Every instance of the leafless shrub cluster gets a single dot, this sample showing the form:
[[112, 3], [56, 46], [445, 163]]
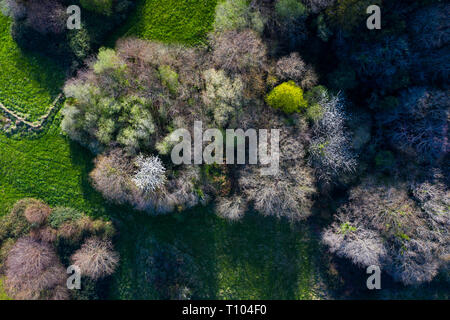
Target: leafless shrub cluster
[[382, 225], [364, 247], [44, 234], [433, 197], [30, 234], [113, 177], [291, 67]]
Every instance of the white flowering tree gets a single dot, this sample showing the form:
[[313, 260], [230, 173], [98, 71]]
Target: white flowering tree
[[150, 174]]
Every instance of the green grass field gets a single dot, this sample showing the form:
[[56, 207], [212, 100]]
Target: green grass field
[[28, 82], [51, 168], [256, 258], [182, 21]]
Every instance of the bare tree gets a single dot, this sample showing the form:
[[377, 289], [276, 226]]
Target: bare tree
[[330, 151], [232, 208], [418, 126], [291, 67], [238, 51], [32, 268], [112, 177], [96, 258]]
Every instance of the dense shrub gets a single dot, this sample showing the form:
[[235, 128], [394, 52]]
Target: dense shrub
[[60, 215], [169, 78], [237, 15], [131, 96], [290, 17], [287, 97], [100, 112], [350, 15], [290, 9], [318, 5], [14, 225], [100, 6]]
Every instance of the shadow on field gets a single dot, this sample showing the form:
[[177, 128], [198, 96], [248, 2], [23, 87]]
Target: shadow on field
[[256, 258]]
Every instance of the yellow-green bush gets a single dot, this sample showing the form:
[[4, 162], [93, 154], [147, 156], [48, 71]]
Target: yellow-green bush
[[169, 78], [287, 97]]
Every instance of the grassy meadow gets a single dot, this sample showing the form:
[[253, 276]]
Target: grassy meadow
[[28, 82]]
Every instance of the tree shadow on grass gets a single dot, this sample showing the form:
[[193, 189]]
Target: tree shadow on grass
[[84, 160], [266, 258], [256, 258]]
